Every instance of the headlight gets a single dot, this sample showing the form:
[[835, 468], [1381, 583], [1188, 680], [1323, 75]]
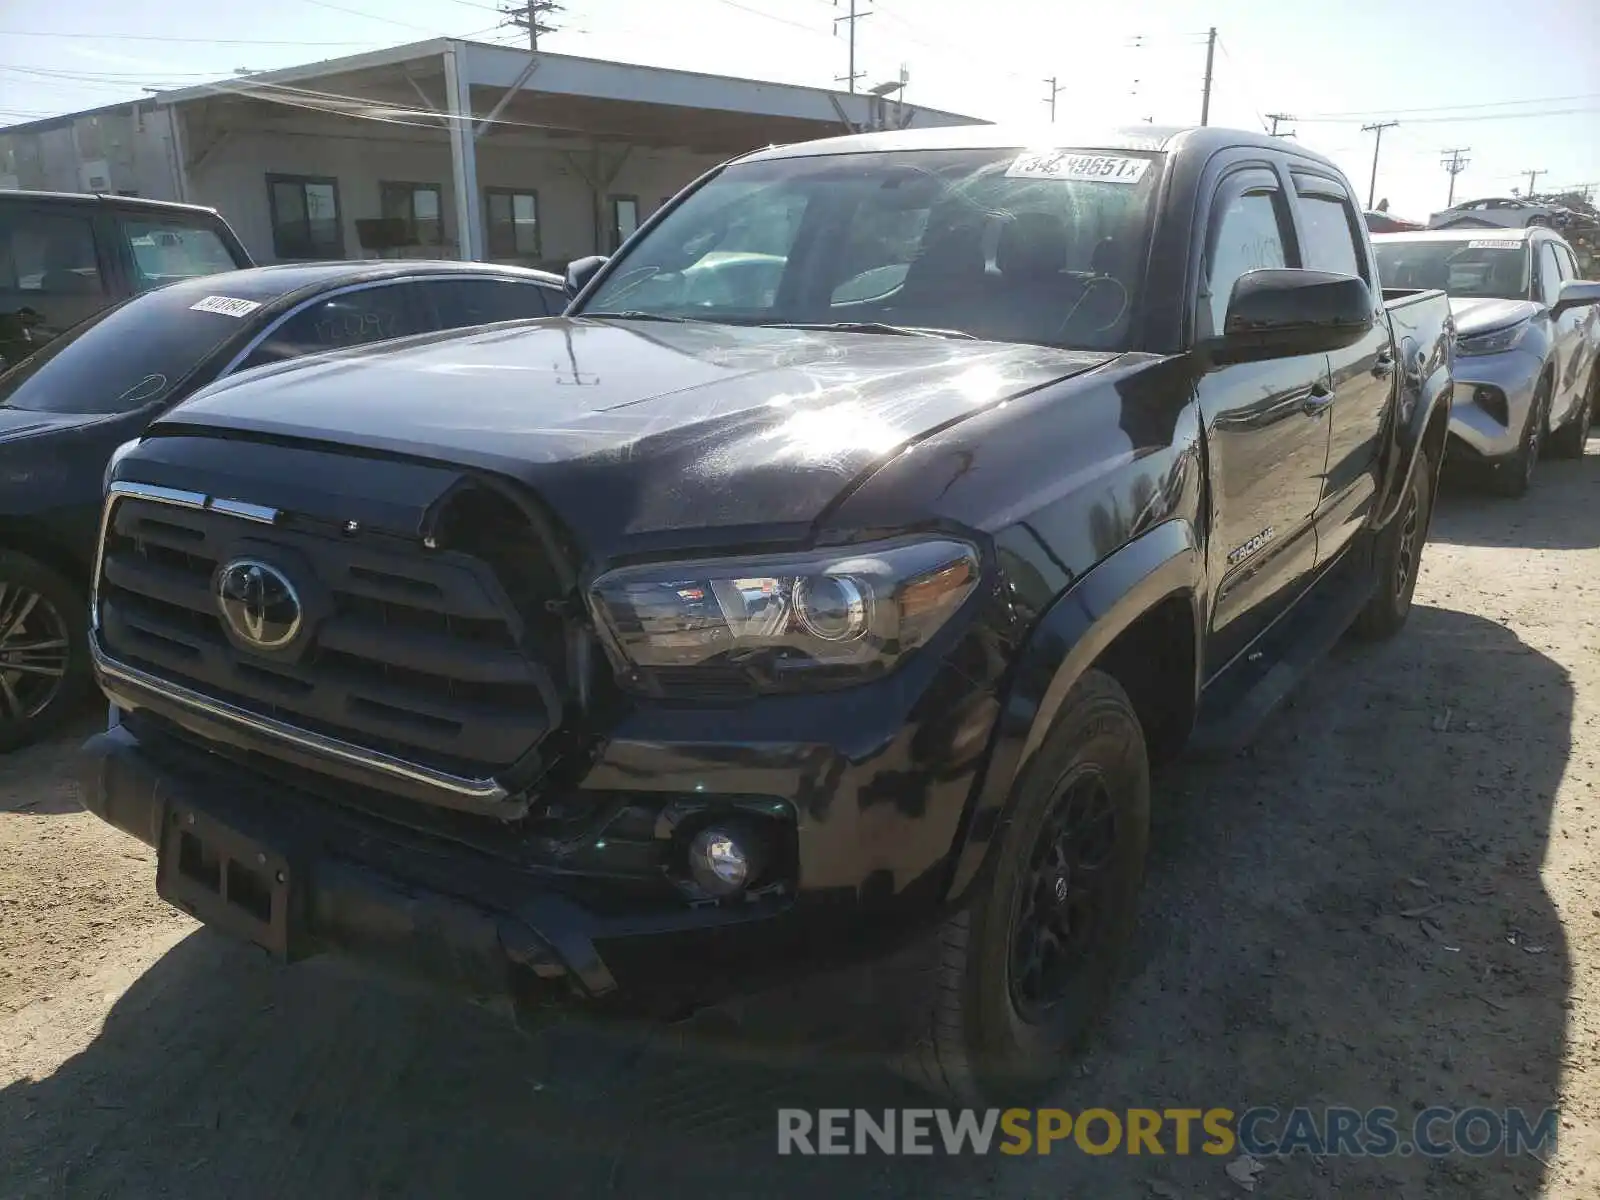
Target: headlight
[[117, 455], [783, 622], [1497, 342]]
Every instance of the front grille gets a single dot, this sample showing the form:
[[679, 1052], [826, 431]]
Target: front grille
[[415, 654]]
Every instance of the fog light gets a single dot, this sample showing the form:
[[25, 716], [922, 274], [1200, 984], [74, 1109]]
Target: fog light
[[724, 860]]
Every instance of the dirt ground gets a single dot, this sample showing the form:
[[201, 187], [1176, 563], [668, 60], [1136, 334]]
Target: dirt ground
[[1393, 900]]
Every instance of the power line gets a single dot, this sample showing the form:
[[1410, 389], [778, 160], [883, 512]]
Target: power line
[[1455, 164], [1437, 108], [1378, 128], [150, 37], [756, 12]]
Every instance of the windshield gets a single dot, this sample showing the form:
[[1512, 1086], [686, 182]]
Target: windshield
[[120, 359], [1044, 247], [1492, 268]]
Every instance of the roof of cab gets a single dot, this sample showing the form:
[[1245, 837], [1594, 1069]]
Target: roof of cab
[[102, 198], [265, 284], [1134, 138]]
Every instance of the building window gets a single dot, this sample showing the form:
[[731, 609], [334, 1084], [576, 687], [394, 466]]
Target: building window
[[513, 223], [418, 204], [624, 219], [305, 217]]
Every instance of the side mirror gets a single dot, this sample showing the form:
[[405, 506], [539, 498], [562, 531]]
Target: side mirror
[[1285, 312], [580, 271], [1575, 293]]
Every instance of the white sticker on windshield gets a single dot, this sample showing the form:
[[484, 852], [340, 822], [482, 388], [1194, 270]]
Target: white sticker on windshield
[[228, 306], [1077, 168], [1493, 244]]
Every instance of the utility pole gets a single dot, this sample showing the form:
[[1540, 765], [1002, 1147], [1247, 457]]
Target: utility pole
[[1211, 57], [1533, 177], [1378, 128], [1277, 119], [530, 15], [1455, 164], [851, 22], [1055, 90]]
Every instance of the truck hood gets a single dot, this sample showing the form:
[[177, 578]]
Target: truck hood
[[1481, 315], [633, 427]]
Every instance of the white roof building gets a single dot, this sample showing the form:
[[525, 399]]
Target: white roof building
[[441, 148]]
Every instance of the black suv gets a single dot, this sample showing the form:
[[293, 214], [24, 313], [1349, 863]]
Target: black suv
[[65, 257]]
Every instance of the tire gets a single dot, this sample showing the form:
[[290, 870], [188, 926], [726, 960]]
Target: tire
[[1398, 558], [1570, 439], [982, 1028], [1513, 475], [44, 649]]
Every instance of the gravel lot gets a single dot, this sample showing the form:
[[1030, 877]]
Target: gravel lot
[[1282, 959]]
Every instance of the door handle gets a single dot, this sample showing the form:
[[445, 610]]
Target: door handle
[[1383, 365], [1320, 396]]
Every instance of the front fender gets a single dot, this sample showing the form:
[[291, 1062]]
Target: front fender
[[1066, 641]]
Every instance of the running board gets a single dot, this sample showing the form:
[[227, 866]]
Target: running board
[[1234, 707]]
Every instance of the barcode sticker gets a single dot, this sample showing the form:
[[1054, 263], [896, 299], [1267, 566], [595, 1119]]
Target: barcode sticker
[[1077, 168], [1493, 244], [228, 306]]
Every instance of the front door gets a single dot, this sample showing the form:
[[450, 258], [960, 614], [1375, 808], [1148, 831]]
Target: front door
[[1266, 430], [1363, 375]]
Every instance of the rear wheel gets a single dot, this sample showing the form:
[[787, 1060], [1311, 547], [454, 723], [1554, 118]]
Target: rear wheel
[[1017, 980], [44, 653], [1398, 556], [1513, 476], [1570, 439]]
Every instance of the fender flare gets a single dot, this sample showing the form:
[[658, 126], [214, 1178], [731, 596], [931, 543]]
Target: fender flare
[[1421, 401], [1071, 635]]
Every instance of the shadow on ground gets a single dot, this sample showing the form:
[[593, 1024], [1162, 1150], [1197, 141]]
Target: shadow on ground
[[1544, 519]]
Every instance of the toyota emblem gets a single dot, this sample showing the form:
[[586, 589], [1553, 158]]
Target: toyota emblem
[[259, 603]]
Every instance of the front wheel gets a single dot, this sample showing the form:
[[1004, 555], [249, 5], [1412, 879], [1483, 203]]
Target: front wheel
[[1019, 977], [1398, 556], [1570, 439], [44, 652], [1513, 476]]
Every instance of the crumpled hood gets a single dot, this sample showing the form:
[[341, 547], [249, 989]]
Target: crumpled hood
[[1476, 315], [629, 427]]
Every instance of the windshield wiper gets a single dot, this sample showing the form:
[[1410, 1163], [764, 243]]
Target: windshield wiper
[[634, 314], [870, 327]]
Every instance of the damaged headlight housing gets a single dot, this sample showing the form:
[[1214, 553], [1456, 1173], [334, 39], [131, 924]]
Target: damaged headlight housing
[[826, 618], [1496, 342]]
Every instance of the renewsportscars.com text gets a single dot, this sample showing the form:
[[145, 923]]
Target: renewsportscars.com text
[[1261, 1132]]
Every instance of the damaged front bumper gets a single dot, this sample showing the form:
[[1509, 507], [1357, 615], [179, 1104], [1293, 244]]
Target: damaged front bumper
[[298, 876]]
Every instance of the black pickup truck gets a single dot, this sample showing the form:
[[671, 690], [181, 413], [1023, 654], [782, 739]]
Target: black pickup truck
[[819, 591]]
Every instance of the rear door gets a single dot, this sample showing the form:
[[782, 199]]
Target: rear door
[[52, 273], [1362, 375], [1266, 427]]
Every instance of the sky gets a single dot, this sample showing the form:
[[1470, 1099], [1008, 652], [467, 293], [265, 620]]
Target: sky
[[1519, 91]]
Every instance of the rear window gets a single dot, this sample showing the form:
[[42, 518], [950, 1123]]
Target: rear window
[[168, 249], [123, 358]]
